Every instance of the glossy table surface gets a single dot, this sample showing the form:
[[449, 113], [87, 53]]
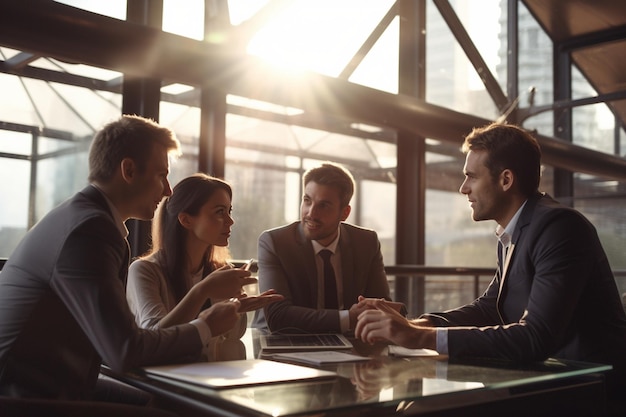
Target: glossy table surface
[[384, 385]]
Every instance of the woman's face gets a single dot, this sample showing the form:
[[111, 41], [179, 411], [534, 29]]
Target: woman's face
[[211, 226]]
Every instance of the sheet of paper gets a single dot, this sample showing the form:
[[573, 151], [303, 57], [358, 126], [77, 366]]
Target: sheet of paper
[[402, 351], [238, 373], [320, 357]]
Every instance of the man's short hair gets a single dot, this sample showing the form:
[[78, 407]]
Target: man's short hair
[[332, 175], [132, 137], [508, 147]]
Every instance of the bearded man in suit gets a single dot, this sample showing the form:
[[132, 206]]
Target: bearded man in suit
[[290, 260]]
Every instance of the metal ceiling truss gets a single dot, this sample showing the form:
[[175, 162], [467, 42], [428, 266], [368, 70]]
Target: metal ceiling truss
[[78, 36]]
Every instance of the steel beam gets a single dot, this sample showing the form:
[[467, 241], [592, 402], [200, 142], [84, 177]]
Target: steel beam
[[65, 33]]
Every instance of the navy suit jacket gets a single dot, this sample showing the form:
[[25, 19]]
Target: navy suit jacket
[[63, 309], [287, 264], [556, 298]]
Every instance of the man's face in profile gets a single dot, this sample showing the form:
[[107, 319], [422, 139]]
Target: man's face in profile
[[486, 199], [151, 184]]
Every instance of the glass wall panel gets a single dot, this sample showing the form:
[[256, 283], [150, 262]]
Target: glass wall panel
[[184, 120], [16, 144], [111, 8], [185, 18], [379, 68], [535, 81], [593, 125], [448, 292], [45, 132], [604, 207], [15, 104], [265, 161], [58, 168], [451, 80], [312, 35], [59, 177], [452, 237], [377, 210], [13, 202], [260, 197], [594, 128]]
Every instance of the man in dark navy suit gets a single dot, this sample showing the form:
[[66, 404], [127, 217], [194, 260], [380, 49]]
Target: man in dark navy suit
[[553, 294]]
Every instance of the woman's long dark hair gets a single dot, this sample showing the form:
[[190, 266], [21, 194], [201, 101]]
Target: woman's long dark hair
[[168, 235]]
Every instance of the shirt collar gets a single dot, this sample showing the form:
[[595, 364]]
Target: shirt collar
[[119, 222], [331, 247], [504, 234]]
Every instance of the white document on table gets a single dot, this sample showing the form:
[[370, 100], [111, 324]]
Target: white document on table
[[237, 373]]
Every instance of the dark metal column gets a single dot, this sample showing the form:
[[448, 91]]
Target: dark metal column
[[512, 62], [411, 175], [617, 129], [32, 188], [562, 79], [212, 146], [142, 96]]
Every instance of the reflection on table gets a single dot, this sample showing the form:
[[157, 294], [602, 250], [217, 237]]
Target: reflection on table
[[388, 385]]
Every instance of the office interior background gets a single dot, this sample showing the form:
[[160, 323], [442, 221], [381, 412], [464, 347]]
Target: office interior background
[[258, 91]]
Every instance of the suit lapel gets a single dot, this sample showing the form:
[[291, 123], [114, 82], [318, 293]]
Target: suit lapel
[[522, 222], [306, 264], [347, 267]]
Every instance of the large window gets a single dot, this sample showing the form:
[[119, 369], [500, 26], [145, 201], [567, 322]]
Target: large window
[[265, 163], [45, 131], [50, 109]]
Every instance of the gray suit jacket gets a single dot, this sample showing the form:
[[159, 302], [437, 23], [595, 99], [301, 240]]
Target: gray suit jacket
[[63, 308], [557, 297], [287, 264]]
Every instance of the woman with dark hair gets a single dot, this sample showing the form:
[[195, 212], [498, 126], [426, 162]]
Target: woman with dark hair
[[187, 268]]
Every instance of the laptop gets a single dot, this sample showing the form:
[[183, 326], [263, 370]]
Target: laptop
[[303, 342], [237, 373]]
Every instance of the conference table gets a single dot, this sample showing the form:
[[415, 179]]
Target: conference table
[[431, 385]]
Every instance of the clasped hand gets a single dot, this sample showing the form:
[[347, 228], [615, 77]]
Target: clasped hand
[[380, 321]]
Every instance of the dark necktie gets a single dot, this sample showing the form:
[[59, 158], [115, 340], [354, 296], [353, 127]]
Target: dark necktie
[[500, 257], [502, 252], [330, 284]]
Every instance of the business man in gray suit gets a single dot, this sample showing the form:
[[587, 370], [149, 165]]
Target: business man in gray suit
[[553, 294], [290, 260], [63, 309]]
